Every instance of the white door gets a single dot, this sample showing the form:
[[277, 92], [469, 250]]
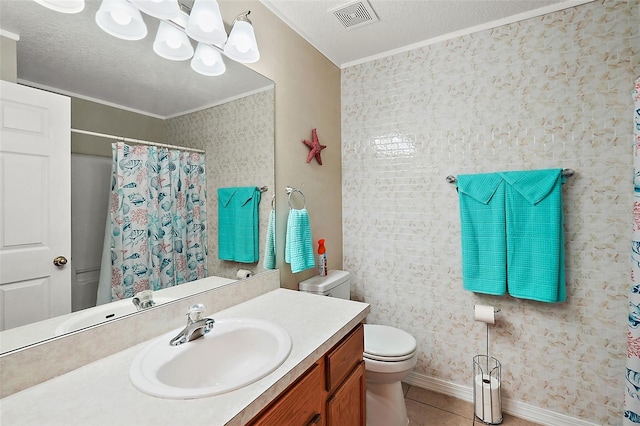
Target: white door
[[35, 204]]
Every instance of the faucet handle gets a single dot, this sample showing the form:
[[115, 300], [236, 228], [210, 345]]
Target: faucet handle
[[143, 300], [196, 312]]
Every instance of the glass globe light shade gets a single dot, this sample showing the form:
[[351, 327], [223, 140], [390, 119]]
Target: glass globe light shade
[[120, 19], [205, 23], [64, 6], [172, 44], [161, 9], [208, 61], [242, 45]]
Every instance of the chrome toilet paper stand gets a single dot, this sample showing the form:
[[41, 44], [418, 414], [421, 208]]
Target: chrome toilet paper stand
[[486, 382]]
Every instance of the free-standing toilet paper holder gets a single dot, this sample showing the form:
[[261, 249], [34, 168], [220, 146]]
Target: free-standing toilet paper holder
[[487, 399]]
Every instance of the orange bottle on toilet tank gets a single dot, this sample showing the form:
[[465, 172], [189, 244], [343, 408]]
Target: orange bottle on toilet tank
[[322, 259]]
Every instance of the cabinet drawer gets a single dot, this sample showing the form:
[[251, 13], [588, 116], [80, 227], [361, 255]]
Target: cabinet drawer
[[301, 405], [344, 357]]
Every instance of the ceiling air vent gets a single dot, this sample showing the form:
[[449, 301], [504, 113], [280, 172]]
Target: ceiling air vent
[[355, 14]]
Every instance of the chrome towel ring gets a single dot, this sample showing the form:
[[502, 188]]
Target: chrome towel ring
[[289, 190]]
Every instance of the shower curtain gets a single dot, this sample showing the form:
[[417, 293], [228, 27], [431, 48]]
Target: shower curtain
[[632, 394], [156, 226]]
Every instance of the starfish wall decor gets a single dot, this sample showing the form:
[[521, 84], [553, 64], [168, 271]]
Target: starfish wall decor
[[315, 146]]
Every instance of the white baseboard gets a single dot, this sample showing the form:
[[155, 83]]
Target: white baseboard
[[509, 406]]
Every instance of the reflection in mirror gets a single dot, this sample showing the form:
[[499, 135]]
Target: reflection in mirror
[[123, 88]]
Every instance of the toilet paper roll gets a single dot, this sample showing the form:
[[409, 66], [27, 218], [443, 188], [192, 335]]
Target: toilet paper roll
[[484, 313], [487, 403], [244, 273]]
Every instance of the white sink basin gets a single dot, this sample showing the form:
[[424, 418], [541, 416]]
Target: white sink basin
[[234, 354], [100, 314]]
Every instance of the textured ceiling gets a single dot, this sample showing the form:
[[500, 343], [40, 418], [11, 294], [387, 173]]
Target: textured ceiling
[[401, 22], [72, 55]]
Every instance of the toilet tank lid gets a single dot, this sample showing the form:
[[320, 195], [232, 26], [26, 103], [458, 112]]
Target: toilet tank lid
[[318, 284]]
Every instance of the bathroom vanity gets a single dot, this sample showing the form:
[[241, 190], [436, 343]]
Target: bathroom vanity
[[332, 392], [324, 373]]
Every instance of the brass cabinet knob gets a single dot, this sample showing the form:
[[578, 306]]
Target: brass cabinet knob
[[60, 261]]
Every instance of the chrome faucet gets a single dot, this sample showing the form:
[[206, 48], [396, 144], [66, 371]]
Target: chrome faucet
[[196, 326], [143, 300]]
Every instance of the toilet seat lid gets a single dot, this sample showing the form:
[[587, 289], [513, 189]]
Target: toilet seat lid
[[387, 343]]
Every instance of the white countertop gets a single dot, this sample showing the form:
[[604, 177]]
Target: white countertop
[[100, 393]]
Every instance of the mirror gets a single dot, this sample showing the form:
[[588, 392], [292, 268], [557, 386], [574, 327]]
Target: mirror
[[231, 117]]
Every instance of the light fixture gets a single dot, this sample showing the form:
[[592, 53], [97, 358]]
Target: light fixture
[[64, 6], [205, 23], [241, 45], [208, 61], [171, 43], [161, 9], [120, 19]]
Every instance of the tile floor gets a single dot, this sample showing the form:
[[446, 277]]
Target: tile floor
[[427, 408]]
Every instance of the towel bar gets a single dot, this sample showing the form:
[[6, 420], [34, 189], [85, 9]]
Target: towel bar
[[565, 172]]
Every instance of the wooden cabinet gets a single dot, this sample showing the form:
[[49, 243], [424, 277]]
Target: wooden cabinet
[[346, 407], [330, 393], [345, 381], [301, 404], [344, 357]]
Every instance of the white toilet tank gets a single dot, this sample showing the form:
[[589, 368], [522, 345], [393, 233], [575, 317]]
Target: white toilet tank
[[335, 284]]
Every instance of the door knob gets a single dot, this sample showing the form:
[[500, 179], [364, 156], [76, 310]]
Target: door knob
[[60, 261]]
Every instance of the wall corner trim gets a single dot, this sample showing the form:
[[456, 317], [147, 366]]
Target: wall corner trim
[[9, 34]]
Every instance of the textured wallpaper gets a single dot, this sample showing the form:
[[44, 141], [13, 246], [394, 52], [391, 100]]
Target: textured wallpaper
[[238, 138], [547, 92]]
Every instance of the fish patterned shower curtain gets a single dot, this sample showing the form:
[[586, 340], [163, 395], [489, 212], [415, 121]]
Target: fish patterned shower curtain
[[157, 219], [632, 382]]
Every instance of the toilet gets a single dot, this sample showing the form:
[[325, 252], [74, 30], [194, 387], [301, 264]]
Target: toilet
[[389, 355]]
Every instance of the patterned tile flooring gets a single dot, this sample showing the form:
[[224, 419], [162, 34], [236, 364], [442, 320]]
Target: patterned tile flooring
[[427, 408]]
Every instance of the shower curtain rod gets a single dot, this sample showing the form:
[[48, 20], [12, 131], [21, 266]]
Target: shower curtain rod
[[136, 141]]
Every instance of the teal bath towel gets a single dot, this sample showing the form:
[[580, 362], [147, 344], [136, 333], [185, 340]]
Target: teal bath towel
[[535, 236], [482, 217], [298, 250], [238, 225], [270, 246]]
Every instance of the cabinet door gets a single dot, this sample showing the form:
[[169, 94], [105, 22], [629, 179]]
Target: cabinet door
[[347, 405], [301, 405]]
